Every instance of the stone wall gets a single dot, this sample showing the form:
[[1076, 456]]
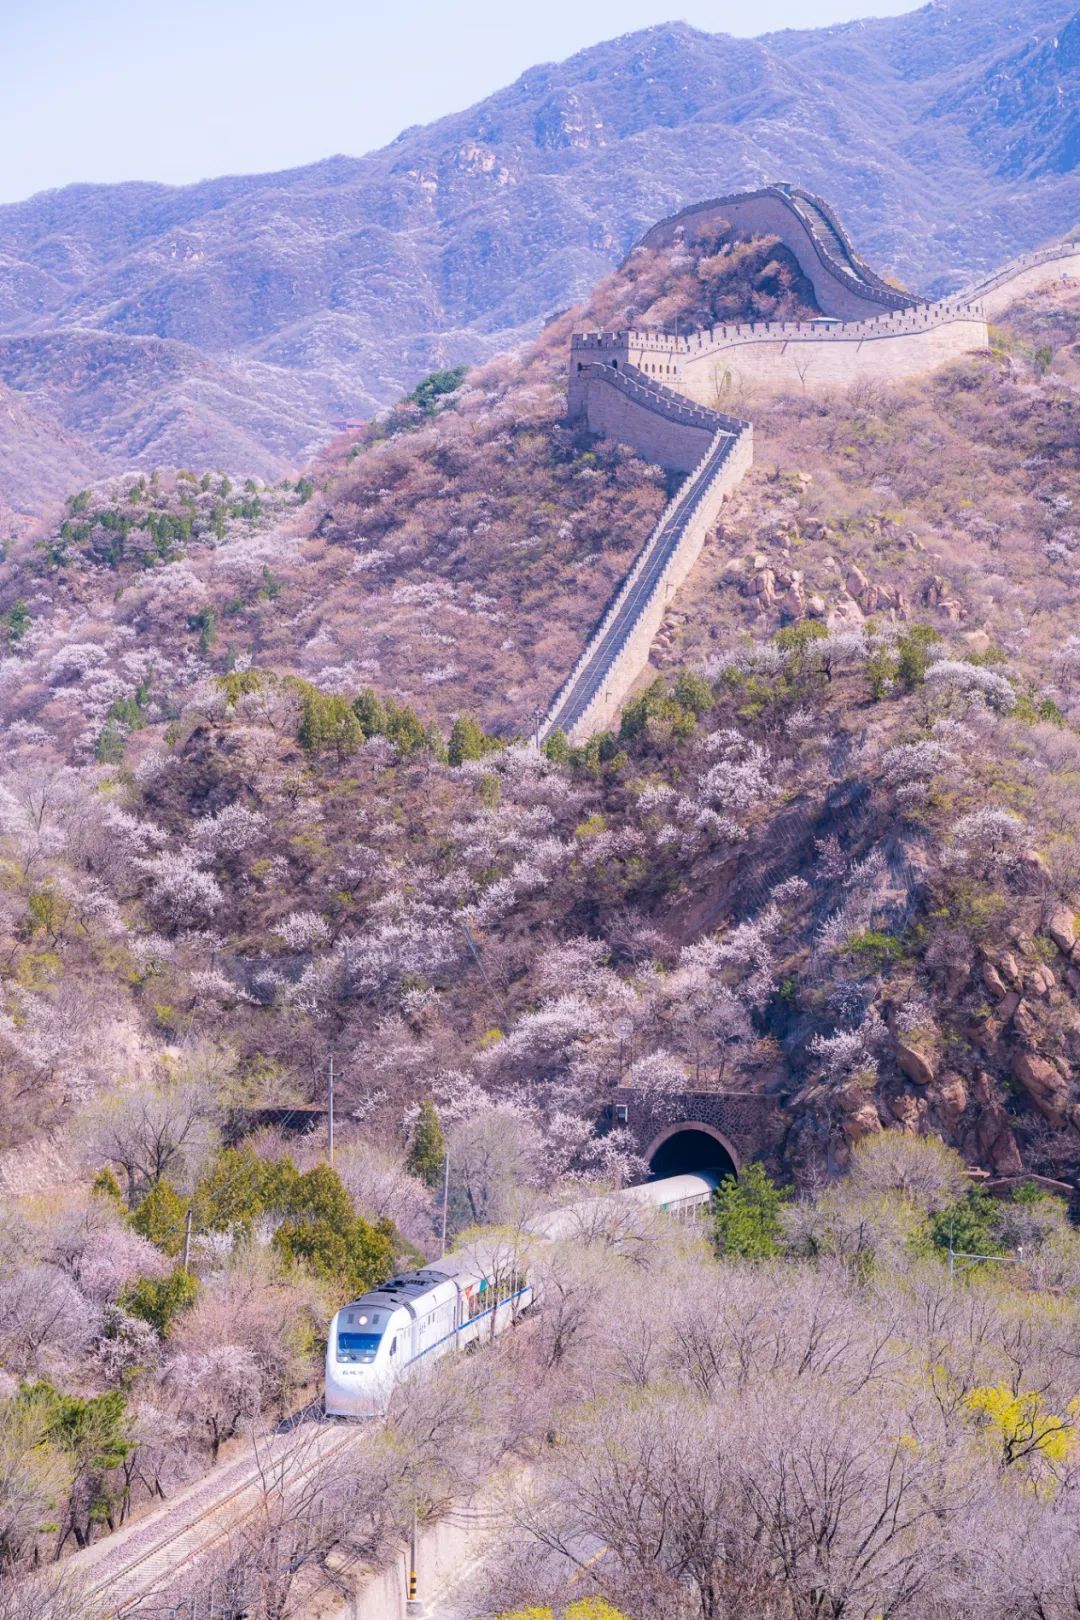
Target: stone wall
[[657, 392], [639, 411], [619, 404], [1027, 274], [844, 285], [787, 355]]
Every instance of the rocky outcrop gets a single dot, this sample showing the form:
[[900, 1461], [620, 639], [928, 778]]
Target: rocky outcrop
[[918, 1067], [936, 595], [1062, 930], [1042, 1084]]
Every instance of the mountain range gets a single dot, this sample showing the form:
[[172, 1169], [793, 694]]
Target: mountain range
[[234, 321]]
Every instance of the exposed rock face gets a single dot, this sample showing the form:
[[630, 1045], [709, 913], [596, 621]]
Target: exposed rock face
[[1062, 930], [936, 595], [860, 1117], [949, 1095], [915, 1064], [908, 1111], [875, 598], [1043, 1084], [993, 981], [996, 1144]]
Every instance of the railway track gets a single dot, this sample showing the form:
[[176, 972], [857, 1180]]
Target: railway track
[[117, 1574]]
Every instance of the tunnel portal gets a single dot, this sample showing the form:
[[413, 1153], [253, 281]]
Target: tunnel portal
[[690, 1146]]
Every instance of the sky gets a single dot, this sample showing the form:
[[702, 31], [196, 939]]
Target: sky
[[180, 90]]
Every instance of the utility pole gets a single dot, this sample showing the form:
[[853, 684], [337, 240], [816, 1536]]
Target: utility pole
[[445, 1199], [480, 964], [187, 1239], [412, 1606], [330, 1113]]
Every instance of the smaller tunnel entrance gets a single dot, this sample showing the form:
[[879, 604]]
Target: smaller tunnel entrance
[[689, 1147]]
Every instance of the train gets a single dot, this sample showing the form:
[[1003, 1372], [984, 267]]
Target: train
[[471, 1295]]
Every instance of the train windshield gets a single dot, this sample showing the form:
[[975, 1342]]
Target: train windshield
[[357, 1346]]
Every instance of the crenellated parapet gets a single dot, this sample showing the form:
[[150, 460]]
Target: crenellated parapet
[[622, 402], [844, 284]]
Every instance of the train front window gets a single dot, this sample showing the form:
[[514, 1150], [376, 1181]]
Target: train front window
[[357, 1346]]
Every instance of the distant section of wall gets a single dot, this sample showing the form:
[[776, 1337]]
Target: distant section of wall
[[1053, 264], [844, 285]]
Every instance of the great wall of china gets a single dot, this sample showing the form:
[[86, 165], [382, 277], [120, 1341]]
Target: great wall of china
[[661, 394]]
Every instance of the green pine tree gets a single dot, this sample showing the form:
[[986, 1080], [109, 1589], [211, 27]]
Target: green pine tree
[[161, 1218], [427, 1151], [468, 741], [160, 1300], [746, 1215]]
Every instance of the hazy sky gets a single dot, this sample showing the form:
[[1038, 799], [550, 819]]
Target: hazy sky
[[178, 90]]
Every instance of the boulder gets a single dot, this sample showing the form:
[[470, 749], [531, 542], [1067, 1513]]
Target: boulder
[[1009, 968], [763, 584], [908, 1111], [1040, 981], [1025, 1023], [791, 604], [996, 1142], [915, 1064], [1062, 930], [1007, 1006], [993, 981], [815, 606], [862, 1119], [1042, 1084], [949, 1096]]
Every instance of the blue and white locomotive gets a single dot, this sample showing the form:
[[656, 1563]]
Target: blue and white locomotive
[[467, 1296]]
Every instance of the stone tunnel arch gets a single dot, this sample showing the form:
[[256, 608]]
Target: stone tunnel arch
[[688, 1145]]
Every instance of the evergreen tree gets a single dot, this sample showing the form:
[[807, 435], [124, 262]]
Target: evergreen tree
[[427, 1151], [556, 747], [161, 1217], [159, 1300], [468, 740], [746, 1215], [370, 712]]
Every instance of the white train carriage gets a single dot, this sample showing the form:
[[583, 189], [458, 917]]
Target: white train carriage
[[414, 1318], [447, 1306]]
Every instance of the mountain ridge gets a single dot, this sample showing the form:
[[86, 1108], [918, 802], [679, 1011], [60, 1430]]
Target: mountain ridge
[[347, 279]]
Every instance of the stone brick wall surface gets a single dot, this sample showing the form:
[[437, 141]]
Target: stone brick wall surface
[[1058, 263], [635, 409], [750, 1124]]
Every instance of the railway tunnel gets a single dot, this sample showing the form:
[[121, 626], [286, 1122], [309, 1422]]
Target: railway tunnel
[[691, 1145]]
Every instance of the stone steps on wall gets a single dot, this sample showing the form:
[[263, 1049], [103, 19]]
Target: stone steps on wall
[[611, 658]]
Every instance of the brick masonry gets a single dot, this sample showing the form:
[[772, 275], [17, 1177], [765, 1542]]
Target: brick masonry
[[747, 1125]]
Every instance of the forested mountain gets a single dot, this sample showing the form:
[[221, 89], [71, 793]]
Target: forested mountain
[[266, 801], [233, 321]]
